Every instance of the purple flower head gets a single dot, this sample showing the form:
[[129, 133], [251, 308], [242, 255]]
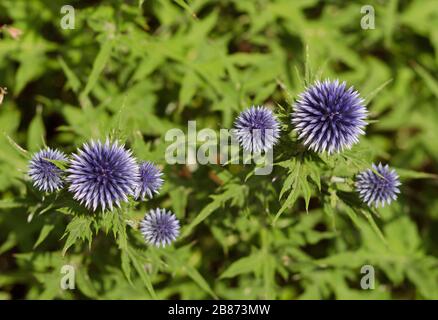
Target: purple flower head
[[257, 129], [159, 227], [150, 181], [45, 175], [329, 117], [101, 174], [375, 189]]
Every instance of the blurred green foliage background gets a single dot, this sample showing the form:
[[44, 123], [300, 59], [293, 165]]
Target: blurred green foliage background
[[140, 68]]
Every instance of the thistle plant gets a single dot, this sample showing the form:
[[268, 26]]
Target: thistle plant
[[310, 138], [326, 121], [348, 143]]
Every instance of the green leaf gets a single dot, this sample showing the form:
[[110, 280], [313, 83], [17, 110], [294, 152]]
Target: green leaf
[[290, 200], [131, 256], [314, 173], [31, 67], [428, 79], [328, 209], [36, 132], [306, 190], [242, 266], [232, 191], [140, 268], [58, 163], [17, 147], [194, 274], [292, 184], [119, 230], [291, 180], [411, 174], [188, 87], [184, 5], [9, 243], [374, 93], [85, 283], [179, 196], [126, 266], [9, 203], [355, 218], [98, 66], [390, 21], [79, 228], [402, 236], [45, 231], [73, 80], [374, 226], [268, 265]]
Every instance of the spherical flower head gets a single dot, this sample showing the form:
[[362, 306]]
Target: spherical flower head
[[159, 227], [102, 174], [45, 175], [150, 181], [257, 129], [377, 189], [328, 117]]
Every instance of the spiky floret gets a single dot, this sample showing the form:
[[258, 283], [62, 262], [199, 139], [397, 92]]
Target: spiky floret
[[328, 117], [378, 187], [45, 175], [257, 129], [160, 227], [150, 181], [102, 174]]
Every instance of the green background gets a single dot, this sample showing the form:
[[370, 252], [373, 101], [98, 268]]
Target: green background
[[136, 69]]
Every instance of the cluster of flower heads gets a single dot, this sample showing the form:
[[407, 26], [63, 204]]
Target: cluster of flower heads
[[327, 117], [102, 175]]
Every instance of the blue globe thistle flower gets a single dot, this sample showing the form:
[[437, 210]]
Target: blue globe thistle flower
[[257, 129], [378, 189], [328, 117], [102, 174], [45, 175], [150, 181], [159, 227]]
